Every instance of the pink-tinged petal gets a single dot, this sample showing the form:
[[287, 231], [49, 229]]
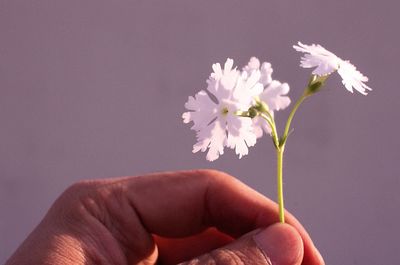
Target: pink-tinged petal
[[253, 64], [324, 61], [222, 82], [266, 73], [352, 78], [228, 65], [200, 101], [217, 71], [258, 131], [275, 95], [260, 125], [256, 90], [247, 89], [241, 149], [213, 137], [201, 110], [253, 79], [264, 68], [313, 49], [321, 64], [240, 135]]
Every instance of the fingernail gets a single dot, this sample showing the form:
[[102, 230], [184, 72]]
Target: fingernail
[[281, 244]]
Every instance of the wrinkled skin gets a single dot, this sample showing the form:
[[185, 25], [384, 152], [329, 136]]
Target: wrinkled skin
[[163, 218]]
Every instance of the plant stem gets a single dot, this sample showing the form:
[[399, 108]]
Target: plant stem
[[290, 118], [280, 147], [279, 155], [268, 118]]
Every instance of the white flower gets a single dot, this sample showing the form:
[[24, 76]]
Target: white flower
[[215, 121], [274, 94], [325, 63]]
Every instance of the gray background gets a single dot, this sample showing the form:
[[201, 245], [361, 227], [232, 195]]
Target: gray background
[[93, 89]]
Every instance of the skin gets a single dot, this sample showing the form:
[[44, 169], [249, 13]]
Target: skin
[[167, 217]]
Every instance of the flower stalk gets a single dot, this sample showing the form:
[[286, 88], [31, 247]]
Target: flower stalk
[[314, 85], [279, 158], [238, 106], [279, 167]]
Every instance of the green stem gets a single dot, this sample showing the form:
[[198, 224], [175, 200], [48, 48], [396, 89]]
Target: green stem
[[280, 147], [289, 120], [271, 123], [279, 155]]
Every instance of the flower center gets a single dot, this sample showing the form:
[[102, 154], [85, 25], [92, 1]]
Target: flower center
[[224, 111], [227, 107]]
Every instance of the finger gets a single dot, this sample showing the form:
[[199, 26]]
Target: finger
[[279, 244], [176, 250], [179, 204]]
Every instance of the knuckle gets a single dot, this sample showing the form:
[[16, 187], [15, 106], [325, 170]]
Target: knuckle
[[212, 173], [214, 177], [79, 198], [75, 190]]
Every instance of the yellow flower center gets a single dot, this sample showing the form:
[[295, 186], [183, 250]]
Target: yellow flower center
[[224, 111]]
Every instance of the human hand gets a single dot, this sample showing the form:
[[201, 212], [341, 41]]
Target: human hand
[[195, 217]]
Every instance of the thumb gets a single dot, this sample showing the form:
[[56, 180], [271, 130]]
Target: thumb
[[279, 244]]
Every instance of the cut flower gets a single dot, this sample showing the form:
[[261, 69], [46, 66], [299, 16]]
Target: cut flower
[[325, 63], [221, 113], [216, 121], [238, 106]]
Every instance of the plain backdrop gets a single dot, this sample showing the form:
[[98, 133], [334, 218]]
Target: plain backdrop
[[95, 89]]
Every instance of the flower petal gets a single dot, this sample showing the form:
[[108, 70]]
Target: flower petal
[[265, 70], [201, 110], [266, 73], [212, 136], [222, 82], [253, 64], [247, 89], [240, 135], [352, 78], [275, 95], [324, 61]]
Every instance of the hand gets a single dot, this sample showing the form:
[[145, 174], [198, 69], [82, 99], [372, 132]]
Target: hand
[[166, 218]]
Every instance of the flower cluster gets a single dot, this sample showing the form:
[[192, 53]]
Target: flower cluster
[[238, 106], [220, 114]]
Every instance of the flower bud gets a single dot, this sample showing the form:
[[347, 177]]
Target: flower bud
[[315, 84], [252, 112]]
